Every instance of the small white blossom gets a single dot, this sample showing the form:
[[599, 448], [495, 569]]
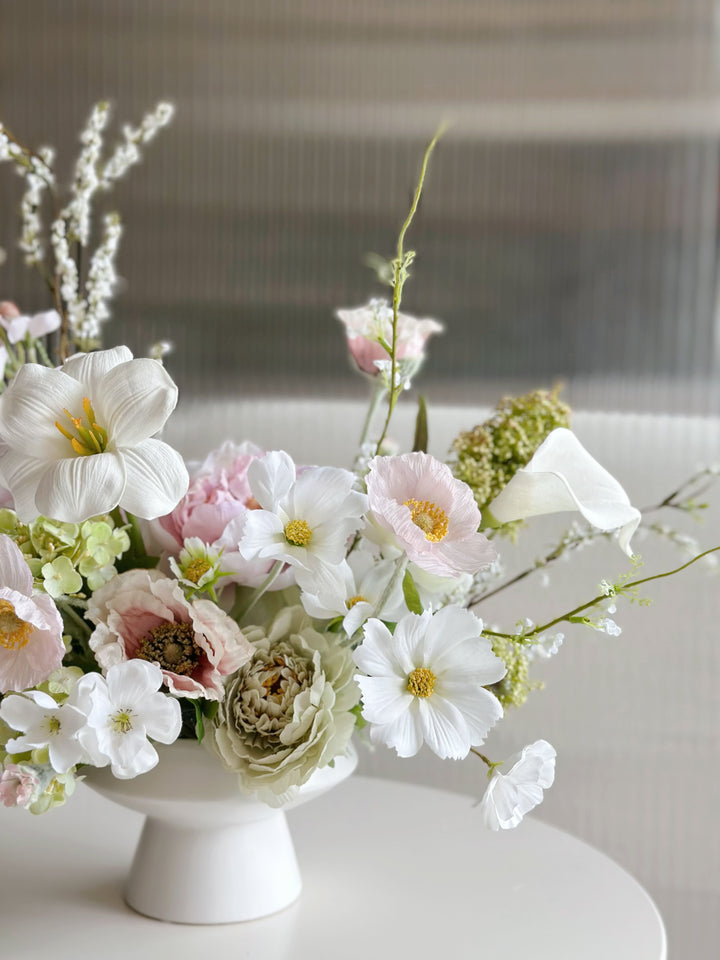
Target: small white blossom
[[509, 796], [127, 153], [545, 646], [38, 177], [77, 212], [608, 626], [45, 723]]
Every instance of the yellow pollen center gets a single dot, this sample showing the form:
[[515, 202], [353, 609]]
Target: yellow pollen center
[[358, 599], [196, 570], [432, 520], [122, 721], [87, 439], [14, 632], [53, 725], [421, 682], [298, 533]]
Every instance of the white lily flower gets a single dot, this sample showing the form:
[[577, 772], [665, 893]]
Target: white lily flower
[[77, 440], [563, 476], [509, 796], [305, 521], [44, 723], [123, 709]]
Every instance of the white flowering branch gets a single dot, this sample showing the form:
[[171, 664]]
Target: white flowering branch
[[127, 153]]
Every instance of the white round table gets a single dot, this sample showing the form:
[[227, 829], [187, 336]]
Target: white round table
[[390, 871]]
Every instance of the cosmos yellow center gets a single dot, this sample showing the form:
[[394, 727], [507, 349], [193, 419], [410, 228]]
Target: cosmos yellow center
[[432, 520], [88, 437], [358, 599], [421, 682], [14, 632], [196, 570], [298, 533]]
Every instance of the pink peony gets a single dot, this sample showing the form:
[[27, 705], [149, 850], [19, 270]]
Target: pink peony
[[432, 515], [19, 785], [366, 326], [142, 614], [31, 645]]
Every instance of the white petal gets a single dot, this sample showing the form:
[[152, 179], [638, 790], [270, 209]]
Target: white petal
[[77, 488], [384, 698], [131, 682], [132, 757], [136, 399], [15, 571], [379, 655], [157, 479], [32, 404], [91, 368], [404, 734], [444, 728], [480, 708], [563, 476], [22, 475], [44, 323], [162, 718], [271, 478], [262, 533], [19, 712]]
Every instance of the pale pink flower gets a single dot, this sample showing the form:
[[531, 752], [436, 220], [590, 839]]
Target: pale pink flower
[[366, 326], [31, 645], [432, 515], [20, 326], [142, 614], [8, 310], [19, 785]]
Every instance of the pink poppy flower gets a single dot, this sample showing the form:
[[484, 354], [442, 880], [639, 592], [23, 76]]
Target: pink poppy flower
[[366, 326], [432, 515], [31, 645], [143, 615]]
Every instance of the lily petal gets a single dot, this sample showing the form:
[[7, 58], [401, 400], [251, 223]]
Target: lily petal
[[90, 369], [30, 407], [563, 476], [78, 488], [136, 399], [156, 479]]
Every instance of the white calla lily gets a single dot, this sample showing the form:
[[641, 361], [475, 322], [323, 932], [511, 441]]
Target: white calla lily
[[563, 476], [76, 441]]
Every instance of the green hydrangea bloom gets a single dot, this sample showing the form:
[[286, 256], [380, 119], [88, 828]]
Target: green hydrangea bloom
[[488, 456]]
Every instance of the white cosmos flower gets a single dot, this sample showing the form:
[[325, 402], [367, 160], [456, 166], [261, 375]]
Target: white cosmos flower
[[509, 796], [44, 723], [123, 709], [305, 521], [426, 682], [352, 590], [77, 440], [563, 476]]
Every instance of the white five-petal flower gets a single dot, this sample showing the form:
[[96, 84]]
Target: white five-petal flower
[[78, 440], [44, 723], [509, 796], [563, 476], [425, 682], [123, 710]]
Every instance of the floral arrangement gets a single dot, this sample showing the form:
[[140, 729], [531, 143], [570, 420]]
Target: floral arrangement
[[265, 608]]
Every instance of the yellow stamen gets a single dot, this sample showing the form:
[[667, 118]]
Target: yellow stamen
[[298, 533], [421, 682], [89, 439], [122, 721], [358, 599], [196, 570], [432, 520], [53, 725], [14, 632]]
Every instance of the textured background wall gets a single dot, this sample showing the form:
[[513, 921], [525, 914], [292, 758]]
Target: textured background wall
[[569, 225]]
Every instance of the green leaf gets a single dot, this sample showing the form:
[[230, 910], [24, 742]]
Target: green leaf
[[412, 597], [360, 720], [199, 725], [420, 443]]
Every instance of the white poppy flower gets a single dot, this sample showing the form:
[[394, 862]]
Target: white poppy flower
[[425, 682], [563, 476], [123, 710], [305, 521], [76, 441], [509, 796], [44, 723]]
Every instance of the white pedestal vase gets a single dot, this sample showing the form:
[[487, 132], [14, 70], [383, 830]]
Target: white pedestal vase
[[208, 853]]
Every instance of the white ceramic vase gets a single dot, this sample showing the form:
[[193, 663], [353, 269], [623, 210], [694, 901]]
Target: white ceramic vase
[[207, 852]]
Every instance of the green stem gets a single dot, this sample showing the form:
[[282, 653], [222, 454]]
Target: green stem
[[584, 606], [240, 611], [378, 392], [399, 277]]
